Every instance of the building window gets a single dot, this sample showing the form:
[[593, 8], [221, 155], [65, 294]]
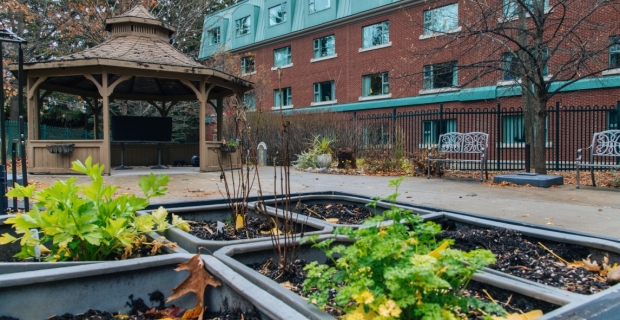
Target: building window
[[511, 7], [431, 130], [287, 99], [282, 56], [242, 26], [376, 34], [441, 75], [247, 65], [513, 129], [612, 120], [511, 65], [375, 84], [249, 101], [277, 14], [214, 36], [318, 5], [614, 52], [324, 47], [441, 20], [324, 91]]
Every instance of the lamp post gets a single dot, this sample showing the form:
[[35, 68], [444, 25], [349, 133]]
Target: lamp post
[[8, 36]]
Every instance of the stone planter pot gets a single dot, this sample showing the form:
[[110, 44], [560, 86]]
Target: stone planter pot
[[107, 286], [9, 250], [237, 258], [300, 201], [221, 212], [324, 160]]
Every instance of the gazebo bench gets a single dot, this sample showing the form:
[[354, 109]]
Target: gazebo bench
[[605, 144], [457, 143]]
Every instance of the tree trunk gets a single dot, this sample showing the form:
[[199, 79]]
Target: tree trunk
[[540, 120]]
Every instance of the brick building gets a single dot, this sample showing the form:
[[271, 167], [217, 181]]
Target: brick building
[[377, 56]]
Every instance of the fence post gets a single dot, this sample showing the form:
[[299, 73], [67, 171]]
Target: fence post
[[394, 128], [557, 135], [22, 142], [499, 136], [3, 188], [441, 126]]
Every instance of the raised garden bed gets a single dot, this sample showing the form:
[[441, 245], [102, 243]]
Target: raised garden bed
[[338, 210], [108, 286], [241, 260], [221, 212]]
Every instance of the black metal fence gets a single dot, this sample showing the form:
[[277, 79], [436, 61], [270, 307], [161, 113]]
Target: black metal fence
[[568, 128]]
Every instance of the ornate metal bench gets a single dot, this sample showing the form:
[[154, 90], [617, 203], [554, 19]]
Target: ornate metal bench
[[604, 144], [462, 143]]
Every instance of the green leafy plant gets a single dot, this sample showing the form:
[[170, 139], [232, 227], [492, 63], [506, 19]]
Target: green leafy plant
[[88, 222], [232, 143], [319, 145], [322, 145], [396, 271]]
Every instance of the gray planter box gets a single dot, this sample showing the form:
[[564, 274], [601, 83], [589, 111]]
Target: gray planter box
[[9, 250], [313, 199], [237, 258], [221, 212], [106, 286]]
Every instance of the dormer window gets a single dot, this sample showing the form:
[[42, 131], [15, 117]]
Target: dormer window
[[213, 35], [318, 5], [277, 14]]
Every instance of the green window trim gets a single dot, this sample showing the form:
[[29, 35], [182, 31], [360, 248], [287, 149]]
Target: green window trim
[[510, 7], [318, 5], [441, 20], [614, 52], [243, 26], [431, 130], [282, 57], [213, 35], [325, 46], [247, 65], [277, 14], [440, 75], [324, 91], [376, 34], [287, 97], [375, 84]]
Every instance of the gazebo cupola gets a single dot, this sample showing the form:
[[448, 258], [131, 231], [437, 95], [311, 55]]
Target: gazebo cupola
[[138, 22], [137, 62]]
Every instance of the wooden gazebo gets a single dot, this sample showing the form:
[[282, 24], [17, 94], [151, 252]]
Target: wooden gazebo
[[136, 63]]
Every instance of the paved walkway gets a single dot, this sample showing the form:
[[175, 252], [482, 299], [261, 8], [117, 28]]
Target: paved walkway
[[590, 210]]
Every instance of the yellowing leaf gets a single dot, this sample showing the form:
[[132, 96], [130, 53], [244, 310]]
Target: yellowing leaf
[[534, 314], [360, 314], [332, 220], [274, 231], [239, 223], [7, 238], [180, 223], [193, 313], [437, 252], [44, 249]]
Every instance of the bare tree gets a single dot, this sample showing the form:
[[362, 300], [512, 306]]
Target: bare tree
[[542, 46]]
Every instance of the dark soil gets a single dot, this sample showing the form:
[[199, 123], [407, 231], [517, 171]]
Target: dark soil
[[524, 257], [255, 227], [141, 311], [345, 213], [293, 278]]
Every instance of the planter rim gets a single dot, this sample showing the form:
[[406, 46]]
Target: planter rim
[[267, 304]]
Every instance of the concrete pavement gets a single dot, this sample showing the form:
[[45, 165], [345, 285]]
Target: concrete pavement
[[590, 210]]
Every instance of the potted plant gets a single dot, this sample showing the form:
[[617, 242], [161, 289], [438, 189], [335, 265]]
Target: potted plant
[[88, 222], [318, 155], [229, 145]]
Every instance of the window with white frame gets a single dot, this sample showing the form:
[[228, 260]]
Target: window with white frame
[[431, 130], [247, 65], [282, 57], [441, 75], [441, 20], [282, 98], [213, 35], [324, 91], [318, 5], [249, 101], [277, 14], [376, 34], [614, 52], [375, 84], [511, 7], [513, 129], [242, 26], [511, 65], [324, 47]]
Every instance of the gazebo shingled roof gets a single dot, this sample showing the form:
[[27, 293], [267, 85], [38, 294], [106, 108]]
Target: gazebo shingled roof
[[137, 62]]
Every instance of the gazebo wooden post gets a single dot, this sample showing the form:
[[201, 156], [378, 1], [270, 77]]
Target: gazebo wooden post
[[219, 111], [32, 111]]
